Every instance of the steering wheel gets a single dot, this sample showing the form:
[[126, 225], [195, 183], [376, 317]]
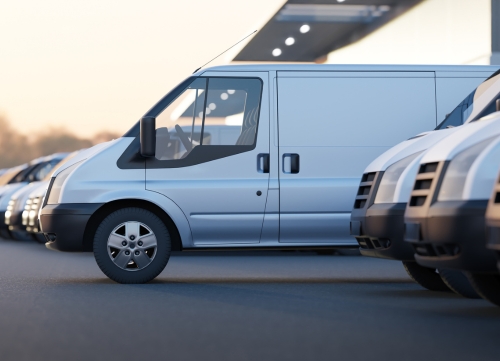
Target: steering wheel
[[184, 138]]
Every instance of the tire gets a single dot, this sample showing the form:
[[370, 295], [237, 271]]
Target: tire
[[486, 285], [426, 277], [132, 245], [458, 282]]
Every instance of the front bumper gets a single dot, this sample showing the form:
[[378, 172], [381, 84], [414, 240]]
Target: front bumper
[[64, 224], [4, 229], [452, 235], [380, 232]]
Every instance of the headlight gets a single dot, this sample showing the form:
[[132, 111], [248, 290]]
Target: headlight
[[387, 186], [27, 207], [56, 184], [8, 212], [456, 174]]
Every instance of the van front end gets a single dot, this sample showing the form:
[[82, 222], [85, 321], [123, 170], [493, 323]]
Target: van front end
[[445, 217], [79, 189], [377, 219], [378, 228]]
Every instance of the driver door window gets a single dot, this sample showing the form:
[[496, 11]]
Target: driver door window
[[211, 113]]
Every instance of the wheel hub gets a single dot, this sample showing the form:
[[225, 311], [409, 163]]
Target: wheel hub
[[132, 246]]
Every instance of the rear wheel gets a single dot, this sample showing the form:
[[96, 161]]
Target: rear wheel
[[458, 282], [486, 285], [425, 277], [132, 245]]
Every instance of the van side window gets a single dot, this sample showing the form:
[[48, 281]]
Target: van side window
[[210, 112], [458, 115]]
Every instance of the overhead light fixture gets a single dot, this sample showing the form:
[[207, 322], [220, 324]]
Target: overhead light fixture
[[276, 52], [304, 28], [331, 13], [289, 41], [340, 1]]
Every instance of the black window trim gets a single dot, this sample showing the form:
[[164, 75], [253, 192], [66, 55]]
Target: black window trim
[[131, 158]]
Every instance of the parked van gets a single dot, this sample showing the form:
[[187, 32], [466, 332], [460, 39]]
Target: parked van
[[445, 216], [377, 219], [305, 134]]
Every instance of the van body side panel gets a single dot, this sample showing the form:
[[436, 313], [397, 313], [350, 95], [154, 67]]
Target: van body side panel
[[337, 124], [219, 197]]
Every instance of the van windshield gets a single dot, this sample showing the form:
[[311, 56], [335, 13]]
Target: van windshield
[[476, 105]]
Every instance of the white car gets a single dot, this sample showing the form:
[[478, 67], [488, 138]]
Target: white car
[[14, 215], [288, 180], [23, 175]]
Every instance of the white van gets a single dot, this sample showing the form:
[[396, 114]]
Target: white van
[[445, 216], [377, 219], [305, 134]]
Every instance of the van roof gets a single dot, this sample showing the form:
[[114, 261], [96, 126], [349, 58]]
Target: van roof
[[350, 67]]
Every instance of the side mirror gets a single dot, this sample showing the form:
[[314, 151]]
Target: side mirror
[[148, 136]]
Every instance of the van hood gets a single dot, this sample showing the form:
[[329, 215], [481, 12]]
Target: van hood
[[465, 137], [40, 189], [408, 147], [85, 154]]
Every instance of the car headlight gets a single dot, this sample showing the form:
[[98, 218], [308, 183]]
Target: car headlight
[[454, 179], [387, 186], [56, 183]]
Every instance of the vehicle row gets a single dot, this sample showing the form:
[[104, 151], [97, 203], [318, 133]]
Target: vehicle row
[[431, 201], [21, 192], [246, 157]]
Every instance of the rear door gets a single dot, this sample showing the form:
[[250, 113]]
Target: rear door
[[331, 126]]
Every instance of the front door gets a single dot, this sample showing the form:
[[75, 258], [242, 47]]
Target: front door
[[212, 155]]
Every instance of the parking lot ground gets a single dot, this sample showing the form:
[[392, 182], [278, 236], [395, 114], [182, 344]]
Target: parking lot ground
[[234, 306]]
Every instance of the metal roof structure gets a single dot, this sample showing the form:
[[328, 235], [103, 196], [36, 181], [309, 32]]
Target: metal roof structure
[[306, 30]]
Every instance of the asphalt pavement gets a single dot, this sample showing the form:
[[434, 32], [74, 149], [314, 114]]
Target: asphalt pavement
[[234, 306]]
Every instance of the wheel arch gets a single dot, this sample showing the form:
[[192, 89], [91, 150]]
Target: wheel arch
[[108, 208]]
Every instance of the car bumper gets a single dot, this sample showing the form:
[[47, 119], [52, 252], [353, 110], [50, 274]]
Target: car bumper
[[63, 225], [452, 236], [380, 232], [4, 229]]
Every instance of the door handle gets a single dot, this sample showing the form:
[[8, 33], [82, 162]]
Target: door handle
[[263, 163], [291, 163]]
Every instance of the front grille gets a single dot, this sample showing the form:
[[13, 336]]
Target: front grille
[[423, 183], [364, 190], [27, 208], [33, 214], [436, 250], [373, 243]]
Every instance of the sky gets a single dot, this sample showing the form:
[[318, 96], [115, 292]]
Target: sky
[[99, 65]]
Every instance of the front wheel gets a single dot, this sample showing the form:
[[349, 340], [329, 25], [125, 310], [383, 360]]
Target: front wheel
[[458, 282], [487, 285], [132, 245], [425, 277]]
